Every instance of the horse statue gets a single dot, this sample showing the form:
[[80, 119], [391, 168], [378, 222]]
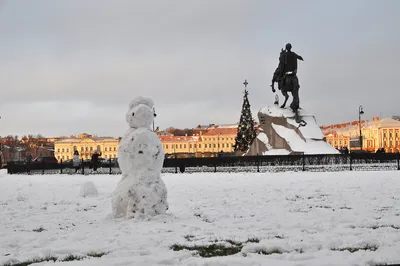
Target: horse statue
[[286, 77]]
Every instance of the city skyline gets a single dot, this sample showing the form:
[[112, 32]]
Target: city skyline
[[211, 125], [74, 66]]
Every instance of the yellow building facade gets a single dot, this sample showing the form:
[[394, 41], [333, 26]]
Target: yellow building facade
[[204, 144], [85, 145], [376, 134]]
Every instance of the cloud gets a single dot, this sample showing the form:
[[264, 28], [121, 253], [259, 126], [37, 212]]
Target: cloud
[[81, 62]]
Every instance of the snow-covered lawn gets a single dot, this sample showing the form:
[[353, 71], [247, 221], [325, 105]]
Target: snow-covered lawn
[[310, 218]]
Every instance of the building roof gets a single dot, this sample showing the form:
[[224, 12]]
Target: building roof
[[221, 131], [384, 123], [354, 126], [77, 140], [179, 138]]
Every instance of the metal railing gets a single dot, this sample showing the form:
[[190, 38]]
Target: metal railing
[[314, 163]]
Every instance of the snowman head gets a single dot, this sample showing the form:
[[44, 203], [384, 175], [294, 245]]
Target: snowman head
[[141, 113]]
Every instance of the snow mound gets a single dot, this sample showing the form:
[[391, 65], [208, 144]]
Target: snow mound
[[280, 134], [88, 189]]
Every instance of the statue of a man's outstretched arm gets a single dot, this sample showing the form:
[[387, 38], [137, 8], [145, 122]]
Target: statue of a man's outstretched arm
[[299, 57]]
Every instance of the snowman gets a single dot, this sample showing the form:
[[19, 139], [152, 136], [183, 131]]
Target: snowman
[[141, 192]]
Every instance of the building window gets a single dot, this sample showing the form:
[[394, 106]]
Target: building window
[[81, 148], [91, 148], [166, 146], [215, 145], [180, 146], [190, 146], [199, 145], [184, 146], [105, 156], [87, 149], [58, 150], [62, 150], [67, 149], [67, 157], [115, 148], [63, 157], [390, 135], [105, 149]]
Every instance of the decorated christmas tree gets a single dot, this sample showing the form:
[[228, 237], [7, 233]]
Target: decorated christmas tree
[[246, 132]]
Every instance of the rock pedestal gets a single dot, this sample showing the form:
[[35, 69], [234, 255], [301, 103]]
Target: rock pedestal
[[280, 134]]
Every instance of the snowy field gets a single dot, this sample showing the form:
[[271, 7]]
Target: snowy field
[[303, 218]]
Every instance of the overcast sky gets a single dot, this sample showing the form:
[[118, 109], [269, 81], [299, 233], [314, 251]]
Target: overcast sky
[[73, 66]]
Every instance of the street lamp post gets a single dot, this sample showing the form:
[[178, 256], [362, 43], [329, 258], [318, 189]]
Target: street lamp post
[[360, 112]]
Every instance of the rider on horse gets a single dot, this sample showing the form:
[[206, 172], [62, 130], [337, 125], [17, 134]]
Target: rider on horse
[[286, 76]]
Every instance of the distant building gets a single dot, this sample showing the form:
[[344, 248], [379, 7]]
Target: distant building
[[378, 133], [208, 141], [85, 144]]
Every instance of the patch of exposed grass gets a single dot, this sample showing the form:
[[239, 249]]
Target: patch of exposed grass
[[216, 248], [38, 230], [383, 226], [355, 249], [207, 251], [253, 240], [188, 237], [268, 252], [31, 261], [96, 254], [69, 257], [233, 242]]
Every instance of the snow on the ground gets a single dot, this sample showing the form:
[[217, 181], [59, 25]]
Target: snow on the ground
[[312, 212]]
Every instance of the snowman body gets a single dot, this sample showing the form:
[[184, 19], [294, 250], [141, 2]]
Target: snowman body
[[141, 192]]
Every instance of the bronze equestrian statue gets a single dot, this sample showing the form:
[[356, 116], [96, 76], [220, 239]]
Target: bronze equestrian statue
[[286, 76]]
